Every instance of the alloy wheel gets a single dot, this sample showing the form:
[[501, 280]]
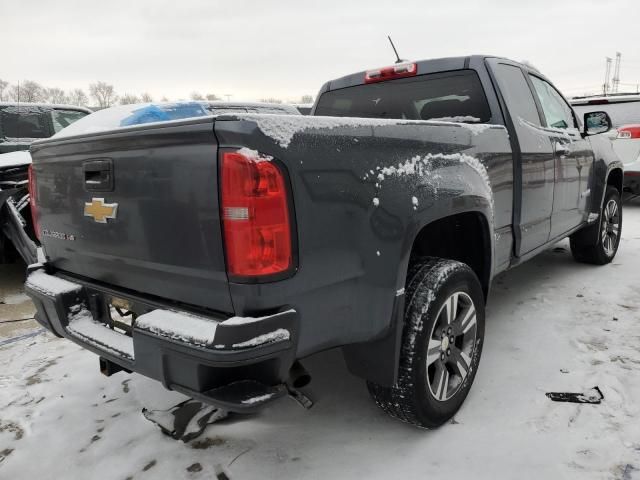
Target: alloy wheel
[[610, 227], [451, 346]]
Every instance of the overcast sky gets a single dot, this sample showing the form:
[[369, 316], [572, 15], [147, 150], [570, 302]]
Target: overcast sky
[[255, 49]]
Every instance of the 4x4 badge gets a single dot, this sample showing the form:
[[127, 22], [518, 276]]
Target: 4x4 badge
[[99, 210]]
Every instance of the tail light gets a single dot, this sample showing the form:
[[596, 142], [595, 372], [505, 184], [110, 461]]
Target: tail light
[[33, 198], [255, 215], [399, 70], [629, 131]]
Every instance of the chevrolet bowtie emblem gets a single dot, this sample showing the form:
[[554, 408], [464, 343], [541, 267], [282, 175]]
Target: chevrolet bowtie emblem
[[99, 210]]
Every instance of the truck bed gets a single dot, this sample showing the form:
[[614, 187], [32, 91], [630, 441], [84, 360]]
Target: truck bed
[[356, 191]]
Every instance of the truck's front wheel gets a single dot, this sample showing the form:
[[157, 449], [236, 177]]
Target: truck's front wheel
[[609, 230], [441, 344]]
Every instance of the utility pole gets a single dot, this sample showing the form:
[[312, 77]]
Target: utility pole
[[607, 72], [616, 74]]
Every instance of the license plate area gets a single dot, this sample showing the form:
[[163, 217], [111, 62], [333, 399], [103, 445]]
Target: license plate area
[[121, 315]]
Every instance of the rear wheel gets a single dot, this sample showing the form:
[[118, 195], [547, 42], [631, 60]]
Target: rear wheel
[[441, 345], [609, 233]]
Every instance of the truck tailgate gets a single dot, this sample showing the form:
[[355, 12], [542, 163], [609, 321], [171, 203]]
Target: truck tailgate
[[136, 209]]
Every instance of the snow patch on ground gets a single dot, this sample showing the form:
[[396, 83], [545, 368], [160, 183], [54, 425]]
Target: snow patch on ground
[[180, 326]]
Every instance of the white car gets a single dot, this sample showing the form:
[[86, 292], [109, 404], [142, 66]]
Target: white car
[[624, 111]]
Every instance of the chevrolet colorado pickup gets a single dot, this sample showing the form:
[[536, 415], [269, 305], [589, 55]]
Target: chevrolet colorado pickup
[[213, 254]]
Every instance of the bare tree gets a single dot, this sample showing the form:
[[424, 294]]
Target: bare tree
[[56, 95], [196, 96], [3, 86], [128, 99], [78, 97], [28, 92], [271, 100], [103, 93], [212, 97], [306, 99], [146, 98]]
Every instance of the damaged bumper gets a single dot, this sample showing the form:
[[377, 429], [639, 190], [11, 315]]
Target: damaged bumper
[[237, 364]]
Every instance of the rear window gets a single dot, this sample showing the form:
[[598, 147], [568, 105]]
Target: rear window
[[23, 122], [452, 96], [623, 113], [63, 118]]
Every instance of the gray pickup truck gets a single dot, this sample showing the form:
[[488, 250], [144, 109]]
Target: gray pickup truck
[[213, 254]]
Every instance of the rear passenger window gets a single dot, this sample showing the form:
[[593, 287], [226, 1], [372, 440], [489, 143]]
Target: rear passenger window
[[23, 122], [454, 96], [64, 118], [521, 105], [556, 111]]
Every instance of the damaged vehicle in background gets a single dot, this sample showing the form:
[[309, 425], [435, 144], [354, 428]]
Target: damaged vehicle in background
[[20, 125], [214, 254], [23, 123]]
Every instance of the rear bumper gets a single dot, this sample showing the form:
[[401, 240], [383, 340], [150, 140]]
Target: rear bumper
[[236, 364]]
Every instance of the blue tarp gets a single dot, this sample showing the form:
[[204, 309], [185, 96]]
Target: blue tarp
[[163, 112]]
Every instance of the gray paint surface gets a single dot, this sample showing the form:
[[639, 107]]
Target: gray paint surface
[[352, 253]]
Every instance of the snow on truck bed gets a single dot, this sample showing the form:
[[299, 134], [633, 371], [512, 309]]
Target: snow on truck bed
[[282, 128]]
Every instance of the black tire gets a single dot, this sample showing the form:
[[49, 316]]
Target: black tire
[[608, 230], [432, 282]]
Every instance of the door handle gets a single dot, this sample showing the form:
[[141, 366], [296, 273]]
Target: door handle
[[562, 149], [98, 175]]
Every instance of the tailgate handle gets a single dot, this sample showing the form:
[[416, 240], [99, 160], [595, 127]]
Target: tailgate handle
[[98, 175]]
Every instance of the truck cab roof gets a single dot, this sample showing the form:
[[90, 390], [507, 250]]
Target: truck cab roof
[[433, 65]]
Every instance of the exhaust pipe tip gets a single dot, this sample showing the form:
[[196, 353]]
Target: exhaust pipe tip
[[298, 375]]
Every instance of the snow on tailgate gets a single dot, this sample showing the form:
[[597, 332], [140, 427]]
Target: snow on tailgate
[[179, 326]]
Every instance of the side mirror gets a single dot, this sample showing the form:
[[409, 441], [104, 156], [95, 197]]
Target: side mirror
[[597, 122]]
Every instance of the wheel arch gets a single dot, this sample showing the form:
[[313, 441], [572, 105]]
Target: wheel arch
[[615, 178], [449, 237], [377, 360]]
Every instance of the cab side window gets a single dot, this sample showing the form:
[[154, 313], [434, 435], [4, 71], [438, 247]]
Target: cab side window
[[556, 111], [521, 105]]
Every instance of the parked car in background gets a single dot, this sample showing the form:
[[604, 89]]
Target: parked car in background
[[22, 123], [624, 110], [304, 108], [213, 253], [218, 108]]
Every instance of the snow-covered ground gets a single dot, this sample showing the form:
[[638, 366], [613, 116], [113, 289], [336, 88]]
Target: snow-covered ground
[[553, 325]]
